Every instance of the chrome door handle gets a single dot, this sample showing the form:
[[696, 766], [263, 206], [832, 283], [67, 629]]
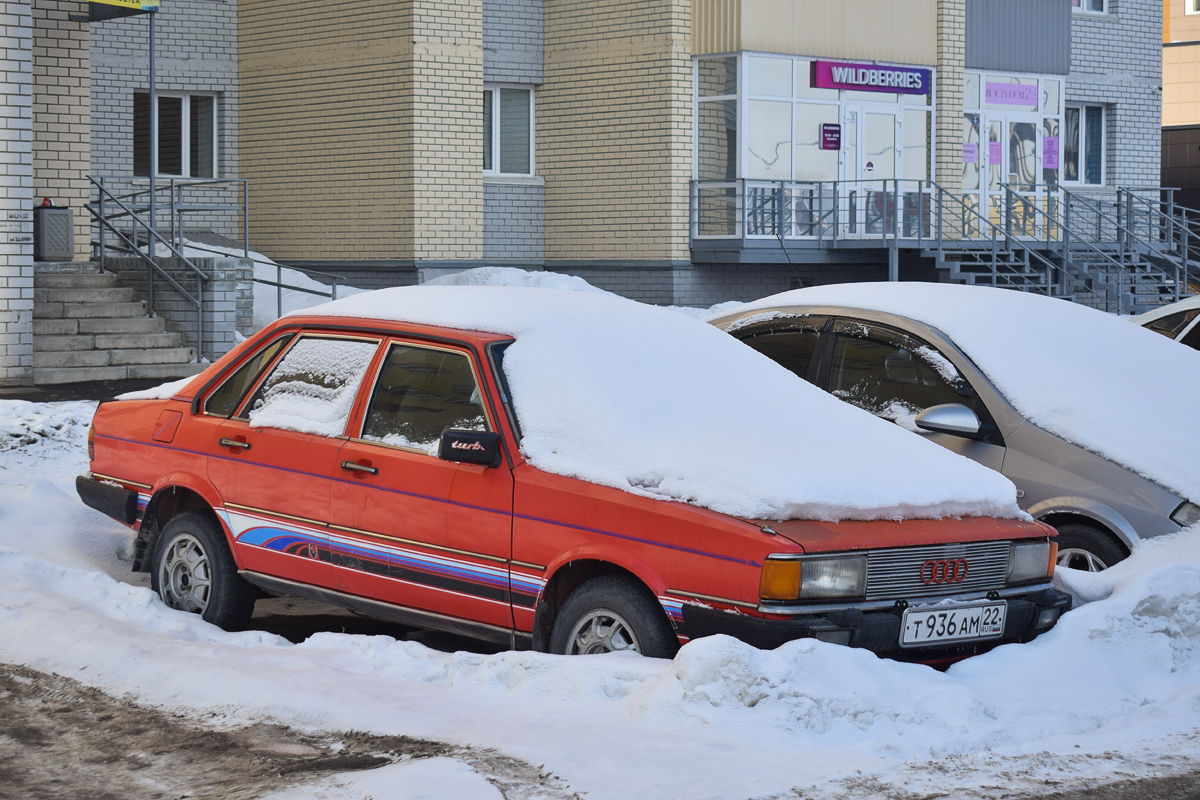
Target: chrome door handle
[[351, 466], [233, 443]]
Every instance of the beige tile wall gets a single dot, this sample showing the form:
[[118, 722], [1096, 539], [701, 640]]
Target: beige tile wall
[[614, 129], [360, 128]]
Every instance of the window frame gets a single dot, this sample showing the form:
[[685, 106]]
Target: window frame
[[371, 382], [493, 136], [1081, 109], [1083, 9], [185, 132], [1191, 7]]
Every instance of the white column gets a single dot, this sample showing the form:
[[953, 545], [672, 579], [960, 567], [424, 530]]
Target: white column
[[16, 193]]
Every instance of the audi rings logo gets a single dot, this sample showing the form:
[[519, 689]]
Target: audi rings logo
[[944, 570]]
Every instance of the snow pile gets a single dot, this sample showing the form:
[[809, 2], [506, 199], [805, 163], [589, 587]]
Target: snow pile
[[1118, 390], [163, 391], [722, 720], [511, 276], [23, 424], [658, 404]]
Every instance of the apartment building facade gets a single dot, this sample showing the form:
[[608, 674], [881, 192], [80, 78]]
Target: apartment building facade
[[1181, 99], [426, 136]]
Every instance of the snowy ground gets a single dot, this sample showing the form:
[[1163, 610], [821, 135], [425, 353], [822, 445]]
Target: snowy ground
[[1112, 692]]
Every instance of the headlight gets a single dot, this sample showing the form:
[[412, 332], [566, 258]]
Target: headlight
[[1031, 561], [1186, 515], [813, 578]]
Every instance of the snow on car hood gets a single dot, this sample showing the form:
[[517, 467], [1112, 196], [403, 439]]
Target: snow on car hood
[[1123, 392], [663, 405]]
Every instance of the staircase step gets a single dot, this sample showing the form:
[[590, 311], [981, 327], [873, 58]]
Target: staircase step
[[120, 325], [162, 355], [55, 327], [115, 294], [75, 280], [63, 343], [51, 375], [165, 371], [96, 310], [133, 341], [62, 359]]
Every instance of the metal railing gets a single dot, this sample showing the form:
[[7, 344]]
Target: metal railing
[[102, 214], [1037, 237]]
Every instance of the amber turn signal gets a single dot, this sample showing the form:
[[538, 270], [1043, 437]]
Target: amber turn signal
[[1053, 559], [91, 442], [780, 580]]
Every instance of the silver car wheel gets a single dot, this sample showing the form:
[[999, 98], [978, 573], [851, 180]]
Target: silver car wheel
[[185, 578], [1078, 558], [602, 631]]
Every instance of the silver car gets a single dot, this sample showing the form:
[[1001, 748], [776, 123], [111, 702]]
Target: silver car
[[908, 371], [1179, 321]]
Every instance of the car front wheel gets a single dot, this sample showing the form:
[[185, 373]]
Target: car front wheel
[[612, 613], [1085, 548], [194, 571]]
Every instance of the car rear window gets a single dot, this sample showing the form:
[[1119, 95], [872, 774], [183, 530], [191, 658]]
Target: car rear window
[[225, 400], [1172, 324]]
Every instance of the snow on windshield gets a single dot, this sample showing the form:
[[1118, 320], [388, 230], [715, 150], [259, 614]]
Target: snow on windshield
[[313, 388], [659, 404], [1110, 387]]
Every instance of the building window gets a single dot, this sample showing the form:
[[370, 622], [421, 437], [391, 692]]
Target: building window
[[1083, 145], [1093, 6], [1192, 7], [187, 134], [507, 130]]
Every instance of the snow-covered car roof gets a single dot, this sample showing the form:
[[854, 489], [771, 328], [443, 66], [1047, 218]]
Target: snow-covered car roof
[[666, 406], [1115, 389]]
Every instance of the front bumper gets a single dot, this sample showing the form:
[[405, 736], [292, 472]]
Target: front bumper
[[876, 629]]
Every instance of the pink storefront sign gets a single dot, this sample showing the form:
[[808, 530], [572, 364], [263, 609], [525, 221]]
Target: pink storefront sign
[[869, 77], [1011, 94]]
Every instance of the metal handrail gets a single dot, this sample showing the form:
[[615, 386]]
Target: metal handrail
[[197, 300]]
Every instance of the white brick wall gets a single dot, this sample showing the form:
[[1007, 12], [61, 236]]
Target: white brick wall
[[1127, 85], [16, 194]]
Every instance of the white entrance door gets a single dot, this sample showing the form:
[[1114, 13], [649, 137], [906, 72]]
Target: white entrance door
[[1009, 154], [870, 162]]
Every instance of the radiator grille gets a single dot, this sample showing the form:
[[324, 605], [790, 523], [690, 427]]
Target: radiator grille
[[896, 572]]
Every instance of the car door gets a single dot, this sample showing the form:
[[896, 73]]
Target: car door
[[896, 375], [408, 527], [272, 459]]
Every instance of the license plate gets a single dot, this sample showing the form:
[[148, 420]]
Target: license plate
[[964, 623]]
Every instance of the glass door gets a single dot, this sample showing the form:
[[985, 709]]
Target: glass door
[[1013, 195], [871, 161]]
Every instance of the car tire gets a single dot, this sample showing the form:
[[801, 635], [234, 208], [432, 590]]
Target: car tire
[[1086, 548], [609, 613], [194, 571]]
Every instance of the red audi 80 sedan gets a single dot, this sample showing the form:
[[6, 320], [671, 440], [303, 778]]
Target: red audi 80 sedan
[[559, 471]]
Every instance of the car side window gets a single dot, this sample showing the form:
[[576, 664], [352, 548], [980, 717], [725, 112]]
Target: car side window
[[312, 388], [893, 375], [1172, 324], [422, 391], [792, 346], [224, 401], [1192, 338]]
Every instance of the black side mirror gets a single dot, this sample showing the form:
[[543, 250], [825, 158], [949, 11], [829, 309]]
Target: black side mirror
[[470, 447]]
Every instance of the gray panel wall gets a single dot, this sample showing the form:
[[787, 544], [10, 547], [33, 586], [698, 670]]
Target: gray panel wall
[[1019, 35], [195, 51], [513, 52]]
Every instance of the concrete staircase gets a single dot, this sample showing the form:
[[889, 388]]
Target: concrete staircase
[[88, 327]]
